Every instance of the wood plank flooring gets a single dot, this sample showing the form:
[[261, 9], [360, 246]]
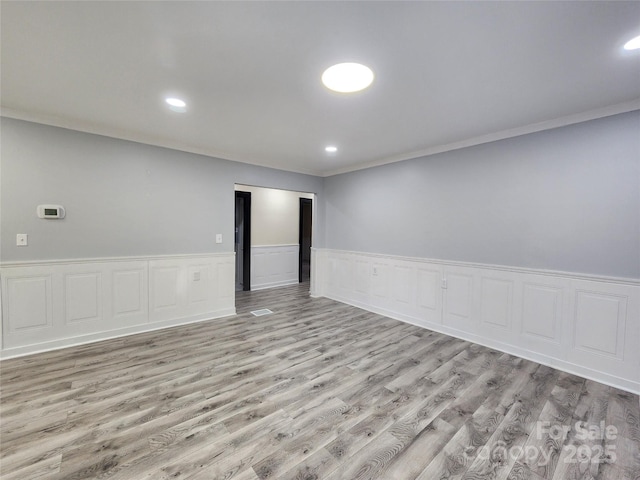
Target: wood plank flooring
[[317, 390]]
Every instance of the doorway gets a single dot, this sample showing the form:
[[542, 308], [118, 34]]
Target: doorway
[[306, 219], [242, 242]]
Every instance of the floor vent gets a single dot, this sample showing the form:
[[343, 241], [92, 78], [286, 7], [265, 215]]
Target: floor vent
[[259, 313]]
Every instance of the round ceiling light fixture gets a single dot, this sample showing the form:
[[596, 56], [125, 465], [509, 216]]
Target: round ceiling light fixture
[[331, 149], [176, 104], [347, 77], [633, 44]]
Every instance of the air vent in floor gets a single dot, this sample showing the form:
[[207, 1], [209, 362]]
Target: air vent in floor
[[259, 313]]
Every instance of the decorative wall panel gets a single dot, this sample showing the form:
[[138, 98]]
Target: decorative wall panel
[[273, 266], [28, 303], [542, 311], [583, 324], [83, 297], [129, 292], [55, 304], [496, 298]]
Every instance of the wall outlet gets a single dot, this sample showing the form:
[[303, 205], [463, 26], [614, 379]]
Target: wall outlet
[[218, 238], [375, 271], [196, 276], [444, 283], [22, 240]]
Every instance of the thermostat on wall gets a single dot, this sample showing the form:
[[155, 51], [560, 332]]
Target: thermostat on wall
[[50, 211]]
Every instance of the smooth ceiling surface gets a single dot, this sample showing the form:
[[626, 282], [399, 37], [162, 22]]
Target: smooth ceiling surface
[[446, 72]]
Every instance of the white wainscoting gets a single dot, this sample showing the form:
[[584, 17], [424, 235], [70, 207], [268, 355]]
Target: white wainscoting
[[274, 266], [48, 305], [582, 324]]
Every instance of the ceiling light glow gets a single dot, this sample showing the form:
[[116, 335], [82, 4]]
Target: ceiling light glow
[[347, 77], [633, 44], [176, 102], [331, 149]]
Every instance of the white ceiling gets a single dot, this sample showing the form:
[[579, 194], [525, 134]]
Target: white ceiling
[[448, 74]]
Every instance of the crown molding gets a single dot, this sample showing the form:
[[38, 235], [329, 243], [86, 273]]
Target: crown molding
[[501, 135], [137, 137]]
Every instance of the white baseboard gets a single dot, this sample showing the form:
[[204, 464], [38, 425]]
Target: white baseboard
[[98, 337], [581, 324], [275, 284]]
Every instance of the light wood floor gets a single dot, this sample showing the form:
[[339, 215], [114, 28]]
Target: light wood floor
[[318, 390]]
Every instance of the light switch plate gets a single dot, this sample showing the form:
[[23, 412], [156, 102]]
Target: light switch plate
[[22, 240], [218, 238]]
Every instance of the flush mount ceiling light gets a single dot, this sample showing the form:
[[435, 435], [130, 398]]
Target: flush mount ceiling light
[[347, 77], [633, 44], [331, 149], [176, 104]]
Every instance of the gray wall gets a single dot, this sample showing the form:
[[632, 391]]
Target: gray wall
[[122, 198], [566, 199]]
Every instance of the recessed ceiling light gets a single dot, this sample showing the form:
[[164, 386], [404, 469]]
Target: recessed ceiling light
[[347, 77], [176, 102], [633, 44], [331, 149]]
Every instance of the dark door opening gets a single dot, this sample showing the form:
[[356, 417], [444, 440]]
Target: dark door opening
[[304, 264], [242, 242]]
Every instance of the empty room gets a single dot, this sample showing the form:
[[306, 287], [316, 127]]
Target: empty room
[[320, 240]]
